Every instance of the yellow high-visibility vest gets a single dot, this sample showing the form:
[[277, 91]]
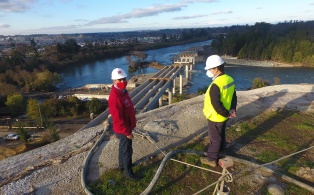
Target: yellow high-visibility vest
[[226, 86]]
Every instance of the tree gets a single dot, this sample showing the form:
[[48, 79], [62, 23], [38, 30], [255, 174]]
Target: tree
[[16, 104], [50, 108], [16, 58], [33, 109], [76, 105], [164, 37], [95, 105], [23, 134], [7, 89], [70, 46], [47, 81]]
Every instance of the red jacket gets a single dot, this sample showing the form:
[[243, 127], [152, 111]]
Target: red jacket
[[122, 111]]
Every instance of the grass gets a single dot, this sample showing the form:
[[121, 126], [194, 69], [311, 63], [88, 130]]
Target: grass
[[267, 156], [305, 126]]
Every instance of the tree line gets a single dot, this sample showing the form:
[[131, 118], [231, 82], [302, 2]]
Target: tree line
[[288, 42], [42, 112]]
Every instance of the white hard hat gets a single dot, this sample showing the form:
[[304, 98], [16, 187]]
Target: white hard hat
[[118, 73], [213, 61]]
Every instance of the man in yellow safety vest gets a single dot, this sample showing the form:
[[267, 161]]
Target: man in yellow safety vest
[[219, 105]]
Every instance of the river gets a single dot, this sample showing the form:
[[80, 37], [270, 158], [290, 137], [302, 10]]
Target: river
[[100, 71]]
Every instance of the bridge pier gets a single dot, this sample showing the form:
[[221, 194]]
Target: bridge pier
[[174, 85], [181, 84], [169, 96], [187, 71], [160, 100]]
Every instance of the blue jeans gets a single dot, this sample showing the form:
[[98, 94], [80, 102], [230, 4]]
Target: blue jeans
[[125, 154], [217, 137]]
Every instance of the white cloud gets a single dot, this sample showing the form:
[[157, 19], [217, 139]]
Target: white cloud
[[80, 20], [149, 11], [188, 17], [4, 26], [138, 13], [15, 5], [198, 1], [56, 28], [218, 13]]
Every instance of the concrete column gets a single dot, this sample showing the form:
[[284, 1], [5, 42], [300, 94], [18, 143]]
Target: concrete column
[[174, 86], [187, 71], [169, 96], [160, 100], [181, 84]]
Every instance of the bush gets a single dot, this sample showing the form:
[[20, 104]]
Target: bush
[[50, 135], [259, 83], [95, 106], [16, 104], [23, 134], [179, 98]]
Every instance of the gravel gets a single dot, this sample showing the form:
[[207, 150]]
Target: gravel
[[55, 168]]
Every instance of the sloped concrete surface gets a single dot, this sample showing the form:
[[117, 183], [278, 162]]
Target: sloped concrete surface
[[56, 168]]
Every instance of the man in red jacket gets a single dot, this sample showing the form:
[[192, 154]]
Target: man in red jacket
[[123, 118]]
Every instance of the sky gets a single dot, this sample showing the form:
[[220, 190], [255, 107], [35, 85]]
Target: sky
[[25, 17]]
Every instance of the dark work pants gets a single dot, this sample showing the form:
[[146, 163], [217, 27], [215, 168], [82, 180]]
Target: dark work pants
[[217, 137], [125, 154]]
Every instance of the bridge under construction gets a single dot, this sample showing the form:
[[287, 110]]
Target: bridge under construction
[[149, 94]]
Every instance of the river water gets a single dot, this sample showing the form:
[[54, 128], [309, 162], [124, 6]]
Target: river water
[[100, 71]]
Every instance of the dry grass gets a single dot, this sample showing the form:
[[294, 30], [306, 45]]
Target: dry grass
[[6, 152]]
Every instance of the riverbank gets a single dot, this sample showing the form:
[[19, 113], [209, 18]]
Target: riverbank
[[234, 60]]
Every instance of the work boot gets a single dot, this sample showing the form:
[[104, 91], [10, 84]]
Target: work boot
[[134, 177], [206, 161]]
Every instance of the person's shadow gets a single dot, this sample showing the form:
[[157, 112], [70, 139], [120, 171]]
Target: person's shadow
[[292, 107]]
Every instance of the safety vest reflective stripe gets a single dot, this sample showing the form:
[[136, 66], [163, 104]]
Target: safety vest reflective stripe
[[229, 85], [226, 86]]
